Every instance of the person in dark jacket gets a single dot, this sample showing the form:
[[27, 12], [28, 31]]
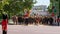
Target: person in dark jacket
[[51, 20], [46, 20], [20, 20], [4, 23], [58, 20]]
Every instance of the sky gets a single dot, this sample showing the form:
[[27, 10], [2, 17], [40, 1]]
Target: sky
[[42, 2]]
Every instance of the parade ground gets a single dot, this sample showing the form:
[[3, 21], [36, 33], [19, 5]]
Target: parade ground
[[32, 29]]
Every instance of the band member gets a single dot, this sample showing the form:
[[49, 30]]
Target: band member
[[4, 23]]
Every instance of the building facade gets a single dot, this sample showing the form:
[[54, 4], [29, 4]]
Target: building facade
[[39, 10]]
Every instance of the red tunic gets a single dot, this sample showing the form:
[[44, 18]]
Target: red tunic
[[58, 20], [4, 24], [26, 15]]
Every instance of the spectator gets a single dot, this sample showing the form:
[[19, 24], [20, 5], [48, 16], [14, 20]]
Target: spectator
[[4, 23], [58, 20], [14, 18]]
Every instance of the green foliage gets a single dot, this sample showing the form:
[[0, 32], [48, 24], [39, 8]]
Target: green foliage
[[55, 10], [16, 6], [0, 5], [6, 7], [50, 10], [56, 0]]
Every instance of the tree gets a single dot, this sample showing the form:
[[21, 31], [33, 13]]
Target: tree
[[0, 9], [17, 6], [0, 5], [50, 8], [28, 4]]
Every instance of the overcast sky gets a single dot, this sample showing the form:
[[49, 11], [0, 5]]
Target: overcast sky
[[42, 2]]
